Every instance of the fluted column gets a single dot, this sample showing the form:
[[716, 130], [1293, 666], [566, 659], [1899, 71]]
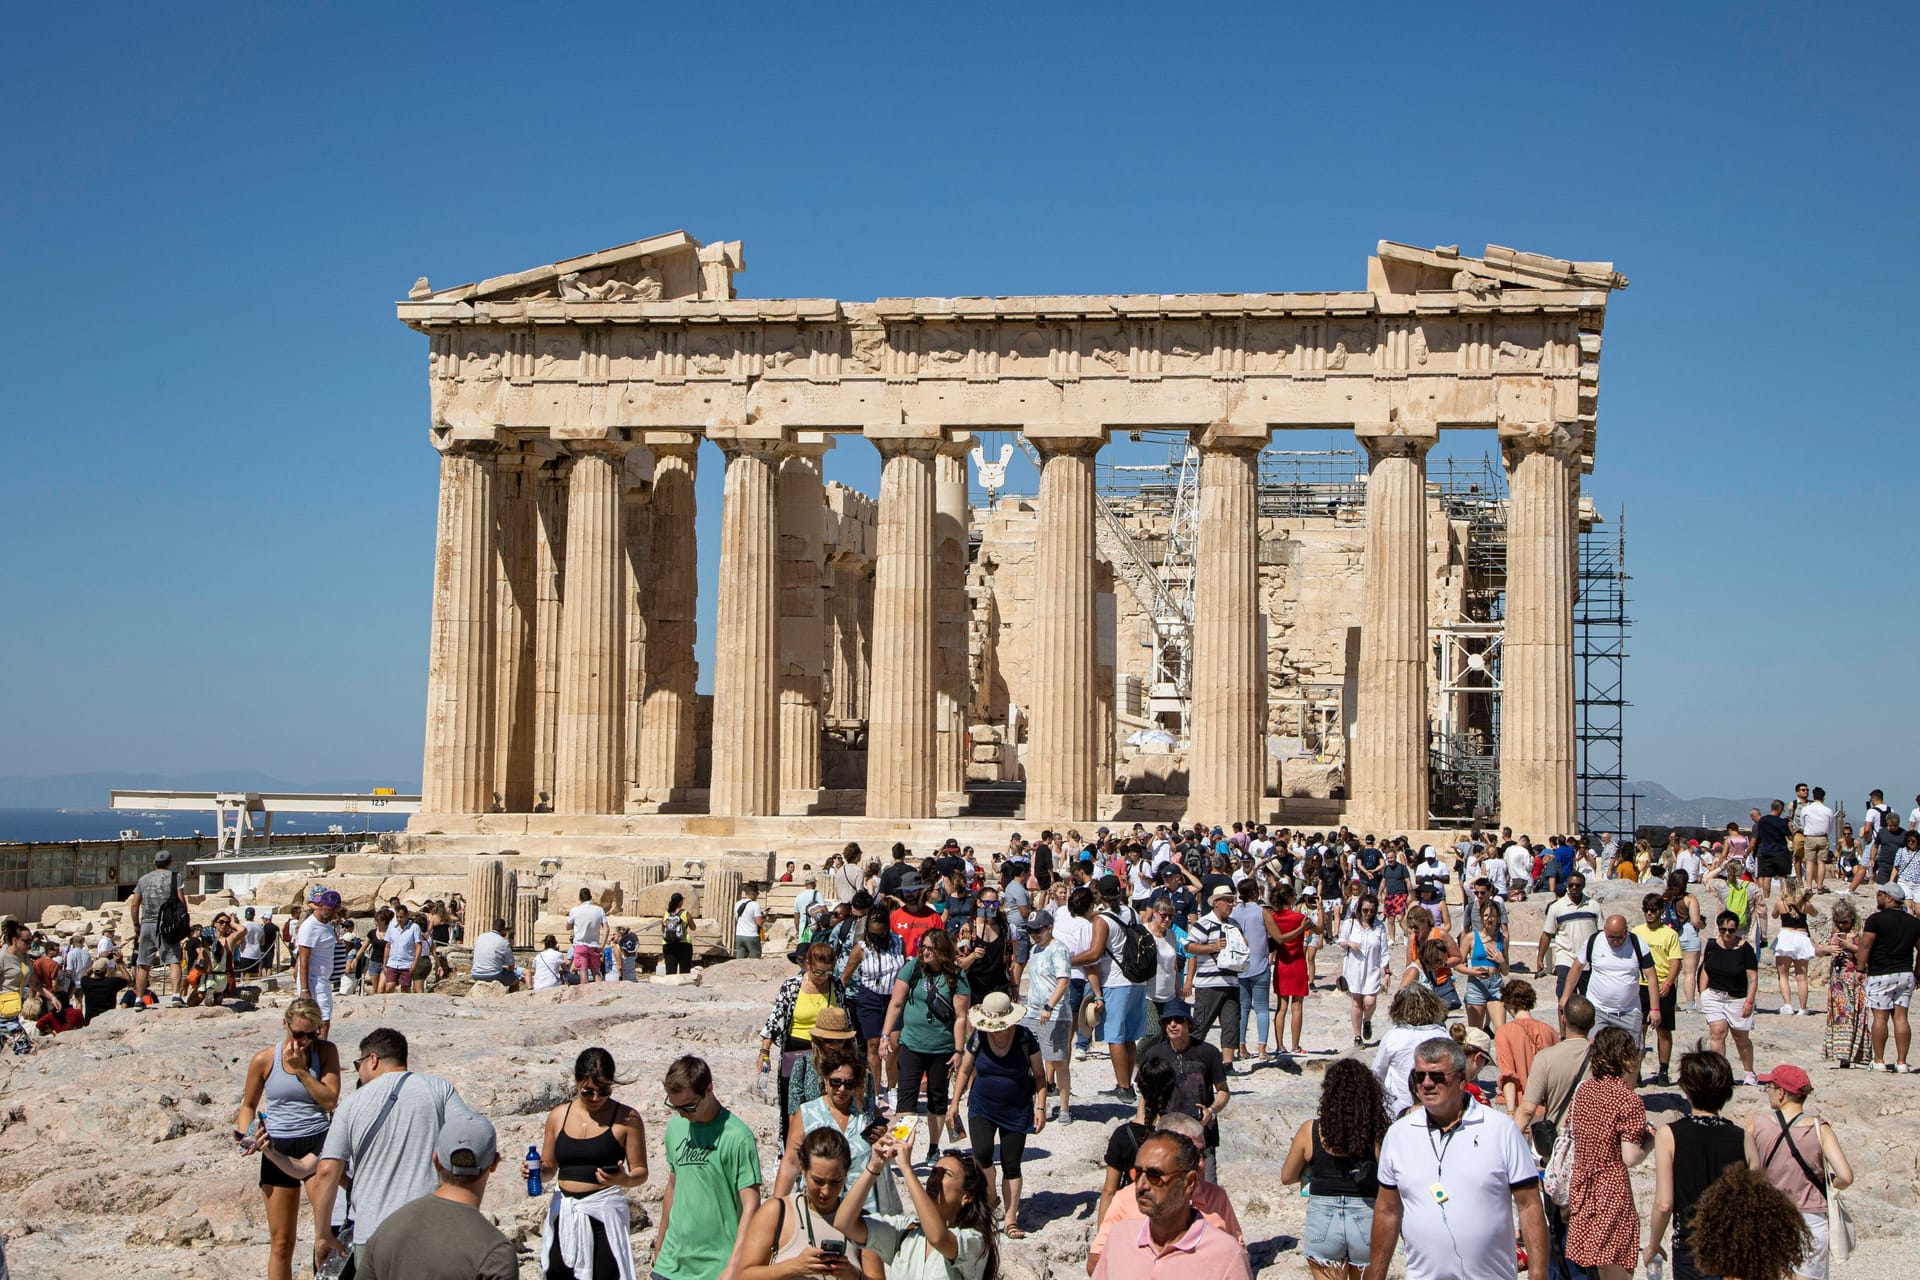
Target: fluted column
[[550, 580], [746, 687], [666, 725], [636, 534], [514, 481], [950, 618], [1227, 777], [1536, 656], [803, 511], [1389, 746], [1062, 757], [590, 742], [900, 739], [458, 772]]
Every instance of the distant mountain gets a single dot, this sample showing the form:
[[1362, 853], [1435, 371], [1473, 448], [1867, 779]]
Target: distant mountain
[[93, 790], [1658, 806]]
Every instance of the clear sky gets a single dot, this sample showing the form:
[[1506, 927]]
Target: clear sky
[[218, 496]]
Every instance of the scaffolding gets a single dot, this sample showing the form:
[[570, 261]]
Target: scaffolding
[[1600, 628]]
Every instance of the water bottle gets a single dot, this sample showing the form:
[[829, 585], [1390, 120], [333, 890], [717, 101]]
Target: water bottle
[[1656, 1267], [336, 1263], [533, 1178]]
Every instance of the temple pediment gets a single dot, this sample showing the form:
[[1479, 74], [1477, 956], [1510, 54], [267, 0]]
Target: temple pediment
[[665, 268], [1402, 268]]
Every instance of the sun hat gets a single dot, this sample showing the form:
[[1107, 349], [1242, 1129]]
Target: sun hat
[[998, 1012], [1171, 1009], [1790, 1078], [1091, 1014], [832, 1023], [911, 883], [1221, 891]]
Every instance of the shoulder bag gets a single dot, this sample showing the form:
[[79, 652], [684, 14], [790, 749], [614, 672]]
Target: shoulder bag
[[1557, 1177], [1546, 1133], [345, 1234]]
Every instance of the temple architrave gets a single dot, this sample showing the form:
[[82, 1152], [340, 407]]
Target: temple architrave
[[569, 404]]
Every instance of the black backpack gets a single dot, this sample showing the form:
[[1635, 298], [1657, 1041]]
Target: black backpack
[[1139, 956], [174, 922]]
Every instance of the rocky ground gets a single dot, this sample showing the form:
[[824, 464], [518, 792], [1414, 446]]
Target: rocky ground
[[116, 1158]]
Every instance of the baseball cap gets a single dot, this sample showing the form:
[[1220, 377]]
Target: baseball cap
[[1790, 1078], [1893, 890], [163, 857], [911, 883], [466, 1147], [862, 901], [1108, 885], [328, 898], [1478, 1040]]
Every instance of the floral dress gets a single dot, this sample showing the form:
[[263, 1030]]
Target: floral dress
[[1847, 1039], [1603, 1227]]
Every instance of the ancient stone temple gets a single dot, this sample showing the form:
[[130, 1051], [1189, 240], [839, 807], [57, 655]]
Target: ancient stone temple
[[568, 404]]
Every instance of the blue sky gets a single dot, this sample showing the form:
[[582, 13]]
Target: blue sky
[[218, 497]]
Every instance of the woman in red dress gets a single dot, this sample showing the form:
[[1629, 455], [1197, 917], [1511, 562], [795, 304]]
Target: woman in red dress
[[1287, 930], [1610, 1136]]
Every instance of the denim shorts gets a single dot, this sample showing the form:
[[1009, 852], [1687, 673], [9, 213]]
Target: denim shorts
[[1339, 1230], [1125, 1014], [1483, 990]]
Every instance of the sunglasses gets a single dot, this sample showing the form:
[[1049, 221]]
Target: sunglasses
[[363, 1058], [684, 1108], [1155, 1177], [594, 1090], [1430, 1077], [840, 1082], [303, 1035]]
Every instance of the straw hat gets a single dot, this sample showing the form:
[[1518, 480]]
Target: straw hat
[[832, 1023], [1092, 1012], [997, 1012]]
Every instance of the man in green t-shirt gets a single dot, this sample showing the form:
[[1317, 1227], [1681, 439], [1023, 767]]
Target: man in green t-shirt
[[713, 1180]]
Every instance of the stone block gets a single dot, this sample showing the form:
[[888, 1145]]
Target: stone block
[[651, 901]]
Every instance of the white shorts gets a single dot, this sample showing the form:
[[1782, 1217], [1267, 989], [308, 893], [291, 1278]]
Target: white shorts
[[322, 994], [1813, 1263], [1792, 944], [1717, 1006], [1889, 991]]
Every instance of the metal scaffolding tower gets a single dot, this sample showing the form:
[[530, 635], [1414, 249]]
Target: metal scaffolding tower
[[1600, 627]]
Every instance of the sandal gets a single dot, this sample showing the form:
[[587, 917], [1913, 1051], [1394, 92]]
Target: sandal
[[1015, 1233]]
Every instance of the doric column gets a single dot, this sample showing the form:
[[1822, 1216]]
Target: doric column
[[1226, 772], [803, 513], [746, 685], [457, 775], [951, 518], [1536, 655], [666, 725], [1389, 748], [550, 580], [900, 738], [517, 594], [590, 742], [635, 537], [1061, 753]]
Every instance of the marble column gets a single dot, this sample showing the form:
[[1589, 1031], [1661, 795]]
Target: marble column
[[803, 512], [746, 686], [515, 479], [549, 581], [1062, 757], [490, 888], [1537, 760], [636, 535], [901, 780], [951, 519], [590, 745], [1226, 773], [1389, 760], [666, 725], [458, 773]]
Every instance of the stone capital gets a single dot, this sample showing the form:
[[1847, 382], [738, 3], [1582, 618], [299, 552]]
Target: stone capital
[[678, 444], [807, 444], [1066, 446], [734, 448], [1231, 437], [893, 446], [456, 440], [1065, 437], [1564, 440], [1400, 438], [956, 444], [607, 448]]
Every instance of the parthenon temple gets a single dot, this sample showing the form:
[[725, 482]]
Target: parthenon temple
[[856, 637]]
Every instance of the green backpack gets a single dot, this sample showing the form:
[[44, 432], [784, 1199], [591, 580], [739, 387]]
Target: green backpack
[[1740, 901]]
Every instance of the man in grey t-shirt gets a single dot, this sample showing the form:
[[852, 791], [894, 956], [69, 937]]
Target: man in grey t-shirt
[[143, 911], [394, 1165]]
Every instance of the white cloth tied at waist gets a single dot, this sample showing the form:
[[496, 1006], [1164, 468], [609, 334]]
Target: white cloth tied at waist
[[570, 1220]]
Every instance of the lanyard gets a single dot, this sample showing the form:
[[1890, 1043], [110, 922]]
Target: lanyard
[[806, 1218], [1440, 1148]]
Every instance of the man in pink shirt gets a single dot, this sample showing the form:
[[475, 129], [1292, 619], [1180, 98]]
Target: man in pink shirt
[[1173, 1241], [1209, 1201]]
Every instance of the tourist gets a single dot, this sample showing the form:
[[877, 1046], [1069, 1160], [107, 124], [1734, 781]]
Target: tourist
[[844, 1102], [1659, 995], [1199, 1072], [1804, 1160], [1569, 922], [1816, 828], [749, 923], [1609, 1126], [1680, 911], [1732, 974], [1906, 865], [1418, 1016], [1169, 964], [1396, 890], [713, 1180], [1454, 1203], [897, 870], [1745, 1229], [1888, 942], [1518, 1041], [1005, 1084], [388, 1127], [588, 921], [926, 1028], [150, 893], [439, 940], [1213, 988], [1338, 1153], [249, 951], [445, 1236], [1848, 1039], [1846, 860], [1483, 944], [1363, 964], [404, 941], [947, 1231], [913, 919], [592, 1150], [1689, 1154], [100, 989], [1614, 965], [986, 961], [789, 1027], [1155, 1085], [313, 956], [1174, 1241], [870, 970], [1519, 860], [1772, 854], [493, 958], [626, 951], [1253, 1009], [1049, 1013], [1073, 929], [790, 1235], [1121, 999], [1210, 1201], [549, 965], [1793, 945], [292, 1088], [1430, 960], [834, 1036], [1286, 929], [676, 935]]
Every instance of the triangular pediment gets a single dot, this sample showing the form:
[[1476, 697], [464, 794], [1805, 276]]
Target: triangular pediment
[[663, 268], [1407, 269]]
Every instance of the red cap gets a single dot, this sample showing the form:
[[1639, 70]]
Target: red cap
[[1790, 1078]]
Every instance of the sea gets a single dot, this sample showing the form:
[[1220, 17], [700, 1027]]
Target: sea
[[34, 825]]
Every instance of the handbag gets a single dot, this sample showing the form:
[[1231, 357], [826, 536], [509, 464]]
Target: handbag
[[1557, 1177]]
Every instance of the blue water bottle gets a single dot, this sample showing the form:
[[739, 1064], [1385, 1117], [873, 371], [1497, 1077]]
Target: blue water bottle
[[533, 1178]]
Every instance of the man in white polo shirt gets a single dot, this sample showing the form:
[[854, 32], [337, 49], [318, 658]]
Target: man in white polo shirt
[[1613, 961], [1453, 1174]]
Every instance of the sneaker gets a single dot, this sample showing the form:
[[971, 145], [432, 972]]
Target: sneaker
[[1358, 1042], [1753, 1082], [1079, 1053], [1066, 1115], [175, 1002], [1366, 1029], [1660, 1077], [1903, 1069], [1120, 1093], [1887, 1067]]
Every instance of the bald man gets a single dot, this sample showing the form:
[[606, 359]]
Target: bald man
[[1608, 973]]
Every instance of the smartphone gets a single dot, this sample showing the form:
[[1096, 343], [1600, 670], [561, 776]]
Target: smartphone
[[874, 1132], [837, 1247], [902, 1131]]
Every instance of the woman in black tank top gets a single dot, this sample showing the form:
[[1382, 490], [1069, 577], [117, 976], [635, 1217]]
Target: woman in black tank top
[[1338, 1152], [1690, 1153], [592, 1143]]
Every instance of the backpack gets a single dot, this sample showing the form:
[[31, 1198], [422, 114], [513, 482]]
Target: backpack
[[1233, 956], [174, 923], [673, 928], [1739, 901], [1586, 971], [1139, 955]]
